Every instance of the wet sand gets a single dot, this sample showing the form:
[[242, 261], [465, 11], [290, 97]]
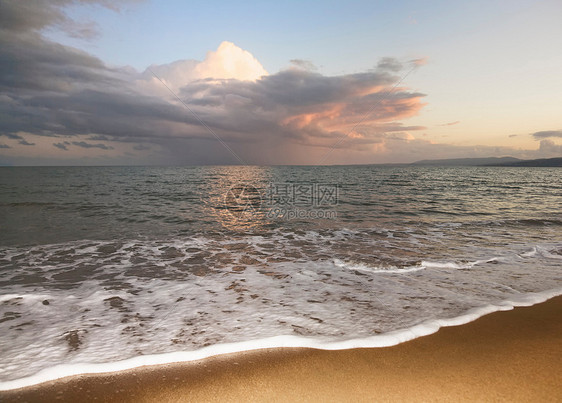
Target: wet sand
[[505, 356]]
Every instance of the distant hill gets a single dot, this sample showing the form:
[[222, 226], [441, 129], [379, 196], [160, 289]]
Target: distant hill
[[469, 161], [492, 162], [544, 162]]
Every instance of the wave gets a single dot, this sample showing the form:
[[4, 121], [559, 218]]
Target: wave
[[159, 295], [548, 253], [425, 264], [378, 269], [459, 265], [283, 341], [32, 297], [538, 250]]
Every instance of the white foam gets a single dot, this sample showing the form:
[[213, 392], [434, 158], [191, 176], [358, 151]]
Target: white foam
[[455, 265], [424, 264], [547, 254], [309, 295], [530, 253], [382, 340], [369, 269], [32, 297]]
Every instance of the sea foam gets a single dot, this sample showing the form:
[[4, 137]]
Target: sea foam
[[284, 341]]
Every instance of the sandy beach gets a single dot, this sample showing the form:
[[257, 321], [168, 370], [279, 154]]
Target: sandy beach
[[299, 201], [505, 356]]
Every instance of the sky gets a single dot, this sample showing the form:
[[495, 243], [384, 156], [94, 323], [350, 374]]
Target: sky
[[99, 82]]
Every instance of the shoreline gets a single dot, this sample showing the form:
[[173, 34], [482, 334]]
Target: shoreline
[[388, 339], [513, 355]]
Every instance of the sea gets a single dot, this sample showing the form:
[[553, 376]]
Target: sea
[[109, 268]]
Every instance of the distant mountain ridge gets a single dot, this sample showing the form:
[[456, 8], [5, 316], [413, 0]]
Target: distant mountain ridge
[[492, 162], [469, 161], [543, 162]]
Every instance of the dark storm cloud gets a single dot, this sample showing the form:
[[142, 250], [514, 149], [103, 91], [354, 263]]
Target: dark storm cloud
[[12, 136], [32, 15], [280, 105], [22, 16], [292, 100], [25, 143], [83, 144], [62, 146], [106, 116], [546, 134], [4, 146], [30, 62]]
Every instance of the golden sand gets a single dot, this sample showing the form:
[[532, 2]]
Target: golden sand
[[505, 356]]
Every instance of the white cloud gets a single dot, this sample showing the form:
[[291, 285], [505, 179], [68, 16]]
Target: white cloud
[[227, 62]]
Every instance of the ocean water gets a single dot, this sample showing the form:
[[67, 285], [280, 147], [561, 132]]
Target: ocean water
[[105, 268]]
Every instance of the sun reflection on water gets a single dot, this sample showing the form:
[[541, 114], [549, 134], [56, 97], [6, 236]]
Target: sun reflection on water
[[235, 196]]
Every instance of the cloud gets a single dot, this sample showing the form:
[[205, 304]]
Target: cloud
[[34, 15], [456, 122], [227, 62], [24, 16], [303, 64], [422, 61], [74, 101], [62, 146], [548, 148], [390, 64], [83, 144], [57, 91], [546, 134], [12, 136], [114, 114], [29, 62]]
